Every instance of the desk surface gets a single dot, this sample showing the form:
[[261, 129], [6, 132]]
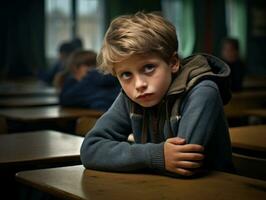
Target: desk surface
[[256, 112], [254, 94], [38, 147], [249, 137], [26, 90], [46, 113], [243, 101], [77, 183], [29, 101]]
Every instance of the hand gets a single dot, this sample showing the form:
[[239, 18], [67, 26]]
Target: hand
[[182, 158]]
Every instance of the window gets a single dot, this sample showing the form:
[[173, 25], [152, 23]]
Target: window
[[180, 13], [89, 26], [59, 21], [58, 25]]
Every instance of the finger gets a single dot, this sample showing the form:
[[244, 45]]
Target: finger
[[176, 140], [183, 172], [190, 156], [190, 148], [188, 164]]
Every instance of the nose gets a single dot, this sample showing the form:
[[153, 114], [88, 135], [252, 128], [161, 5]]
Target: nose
[[140, 83]]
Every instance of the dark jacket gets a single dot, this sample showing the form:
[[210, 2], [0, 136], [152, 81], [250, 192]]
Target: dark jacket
[[192, 109], [94, 91]]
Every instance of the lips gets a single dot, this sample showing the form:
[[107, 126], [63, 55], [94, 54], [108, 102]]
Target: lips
[[144, 96]]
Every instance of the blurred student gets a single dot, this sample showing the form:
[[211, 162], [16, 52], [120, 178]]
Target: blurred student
[[77, 43], [83, 86], [230, 54], [64, 51]]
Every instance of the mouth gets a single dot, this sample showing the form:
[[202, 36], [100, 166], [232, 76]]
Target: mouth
[[144, 96]]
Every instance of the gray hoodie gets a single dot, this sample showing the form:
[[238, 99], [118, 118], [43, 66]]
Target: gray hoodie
[[191, 109]]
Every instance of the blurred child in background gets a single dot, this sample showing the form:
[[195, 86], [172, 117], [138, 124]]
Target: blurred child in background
[[64, 51], [83, 86], [230, 54]]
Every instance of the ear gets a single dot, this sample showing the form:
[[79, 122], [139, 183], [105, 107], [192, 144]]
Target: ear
[[174, 63]]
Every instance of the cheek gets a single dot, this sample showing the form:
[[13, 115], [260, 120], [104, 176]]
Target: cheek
[[127, 88], [163, 79]]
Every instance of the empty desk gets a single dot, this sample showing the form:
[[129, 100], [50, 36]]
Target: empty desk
[[77, 183], [40, 149], [249, 150], [28, 101], [256, 112], [46, 113], [26, 90], [36, 118], [242, 101], [250, 138]]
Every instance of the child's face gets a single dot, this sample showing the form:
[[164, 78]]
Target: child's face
[[80, 72], [229, 53], [146, 78]]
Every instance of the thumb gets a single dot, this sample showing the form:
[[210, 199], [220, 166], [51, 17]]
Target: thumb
[[177, 140]]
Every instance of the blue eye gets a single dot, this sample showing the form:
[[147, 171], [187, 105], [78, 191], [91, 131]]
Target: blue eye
[[149, 68], [125, 75]]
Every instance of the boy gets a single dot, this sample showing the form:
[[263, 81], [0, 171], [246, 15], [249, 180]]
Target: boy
[[172, 107]]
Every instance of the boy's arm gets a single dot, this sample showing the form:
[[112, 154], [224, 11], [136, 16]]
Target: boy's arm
[[200, 113], [105, 147], [181, 158], [183, 154], [203, 122]]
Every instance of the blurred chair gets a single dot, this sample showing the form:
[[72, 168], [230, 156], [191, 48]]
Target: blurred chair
[[84, 124], [250, 166]]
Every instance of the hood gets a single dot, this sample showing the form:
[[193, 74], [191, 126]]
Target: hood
[[199, 67]]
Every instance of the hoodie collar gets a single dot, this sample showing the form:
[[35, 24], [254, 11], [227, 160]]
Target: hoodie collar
[[197, 67]]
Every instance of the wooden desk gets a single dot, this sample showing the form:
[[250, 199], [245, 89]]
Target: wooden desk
[[40, 148], [15, 91], [242, 101], [58, 118], [77, 183], [254, 82], [249, 137], [29, 101], [46, 113], [256, 112], [34, 150]]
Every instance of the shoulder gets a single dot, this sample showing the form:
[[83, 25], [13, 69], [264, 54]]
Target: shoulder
[[206, 85], [204, 97], [205, 92]]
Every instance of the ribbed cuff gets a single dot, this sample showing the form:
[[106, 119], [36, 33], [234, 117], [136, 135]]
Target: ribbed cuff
[[157, 156]]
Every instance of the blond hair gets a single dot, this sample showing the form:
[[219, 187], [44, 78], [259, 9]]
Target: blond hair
[[140, 33]]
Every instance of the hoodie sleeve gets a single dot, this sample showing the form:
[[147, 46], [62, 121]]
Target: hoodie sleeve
[[203, 122], [105, 147]]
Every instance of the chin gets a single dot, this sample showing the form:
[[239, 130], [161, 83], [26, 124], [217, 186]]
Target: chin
[[148, 104]]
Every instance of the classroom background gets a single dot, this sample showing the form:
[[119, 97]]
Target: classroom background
[[38, 131], [31, 31]]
